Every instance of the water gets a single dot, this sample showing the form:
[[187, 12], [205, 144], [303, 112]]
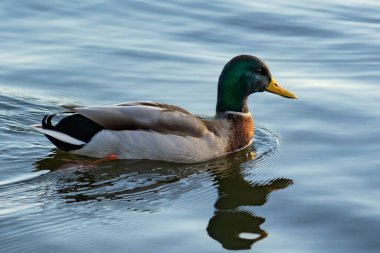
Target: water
[[312, 186]]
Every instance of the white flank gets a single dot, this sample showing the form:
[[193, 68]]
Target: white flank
[[58, 135], [154, 146]]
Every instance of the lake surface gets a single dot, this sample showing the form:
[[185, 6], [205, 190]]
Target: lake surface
[[309, 182]]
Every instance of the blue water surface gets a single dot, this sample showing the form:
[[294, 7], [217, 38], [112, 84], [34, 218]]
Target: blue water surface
[[309, 182]]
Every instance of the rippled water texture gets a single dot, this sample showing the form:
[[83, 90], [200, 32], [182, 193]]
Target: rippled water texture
[[309, 182]]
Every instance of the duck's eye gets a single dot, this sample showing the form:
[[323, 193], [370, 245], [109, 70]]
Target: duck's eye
[[262, 71]]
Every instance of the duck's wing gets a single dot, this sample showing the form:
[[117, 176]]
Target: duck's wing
[[156, 104], [151, 116]]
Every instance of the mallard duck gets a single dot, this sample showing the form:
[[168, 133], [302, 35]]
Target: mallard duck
[[158, 131]]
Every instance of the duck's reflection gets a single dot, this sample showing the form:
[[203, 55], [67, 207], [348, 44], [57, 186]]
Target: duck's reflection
[[233, 224], [86, 179]]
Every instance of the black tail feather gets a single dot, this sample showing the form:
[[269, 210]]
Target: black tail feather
[[46, 122], [75, 125]]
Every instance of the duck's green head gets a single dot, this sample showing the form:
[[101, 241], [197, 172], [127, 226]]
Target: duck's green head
[[242, 76]]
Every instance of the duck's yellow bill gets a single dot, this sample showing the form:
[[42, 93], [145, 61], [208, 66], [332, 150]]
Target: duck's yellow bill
[[273, 87]]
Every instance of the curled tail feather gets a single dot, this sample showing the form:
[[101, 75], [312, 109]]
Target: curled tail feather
[[71, 133]]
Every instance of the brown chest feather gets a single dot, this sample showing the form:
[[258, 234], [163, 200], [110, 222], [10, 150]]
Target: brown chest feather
[[241, 131]]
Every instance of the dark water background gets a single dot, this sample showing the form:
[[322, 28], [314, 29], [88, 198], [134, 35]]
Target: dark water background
[[313, 186]]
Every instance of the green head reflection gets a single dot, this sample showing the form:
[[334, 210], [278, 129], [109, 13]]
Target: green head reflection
[[233, 226]]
